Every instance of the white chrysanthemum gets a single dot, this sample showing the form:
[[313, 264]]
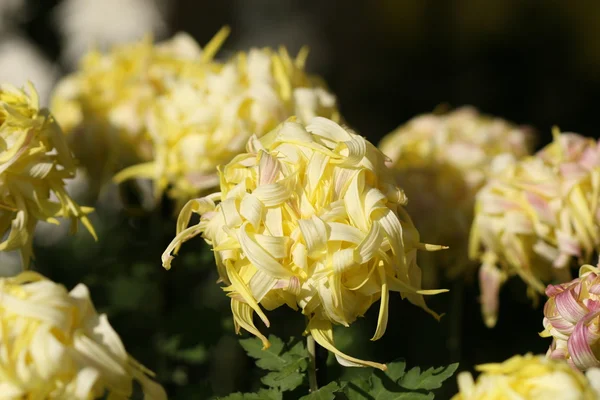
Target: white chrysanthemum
[[9, 11], [56, 346], [441, 161], [102, 24]]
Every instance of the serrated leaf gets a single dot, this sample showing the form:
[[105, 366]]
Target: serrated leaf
[[395, 370], [357, 389], [268, 359], [324, 393], [262, 394], [384, 388], [427, 380], [290, 376]]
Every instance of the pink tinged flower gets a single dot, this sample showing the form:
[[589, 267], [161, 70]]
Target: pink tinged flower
[[490, 279], [572, 318]]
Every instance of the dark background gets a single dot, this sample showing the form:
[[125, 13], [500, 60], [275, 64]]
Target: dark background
[[532, 62]]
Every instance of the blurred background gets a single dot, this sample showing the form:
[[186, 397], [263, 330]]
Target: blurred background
[[532, 62]]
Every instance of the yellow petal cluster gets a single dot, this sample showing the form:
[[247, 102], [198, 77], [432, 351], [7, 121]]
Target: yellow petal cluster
[[537, 216], [103, 106], [54, 345], [528, 377], [185, 117], [441, 161], [34, 163], [309, 217]]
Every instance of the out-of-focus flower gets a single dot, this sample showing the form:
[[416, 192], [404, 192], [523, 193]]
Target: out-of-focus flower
[[572, 319], [21, 61], [441, 161], [203, 120], [34, 163], [528, 377], [9, 12], [178, 113], [84, 24], [536, 216], [309, 217], [102, 107], [56, 346]]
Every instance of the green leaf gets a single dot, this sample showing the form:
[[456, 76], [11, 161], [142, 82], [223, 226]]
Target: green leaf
[[324, 393], [262, 394], [290, 376], [287, 363], [396, 384], [429, 379], [384, 388], [268, 359]]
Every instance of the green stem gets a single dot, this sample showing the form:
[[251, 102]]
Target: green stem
[[312, 366]]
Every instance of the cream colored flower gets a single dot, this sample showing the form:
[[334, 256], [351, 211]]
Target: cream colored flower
[[103, 106], [441, 161], [528, 377], [537, 216], [309, 217], [205, 118], [34, 163], [174, 114], [56, 346]]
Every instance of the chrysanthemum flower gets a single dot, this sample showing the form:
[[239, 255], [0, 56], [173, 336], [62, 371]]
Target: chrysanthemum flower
[[309, 217], [103, 106], [34, 163], [441, 161], [537, 216], [56, 346], [572, 319], [528, 377], [187, 123]]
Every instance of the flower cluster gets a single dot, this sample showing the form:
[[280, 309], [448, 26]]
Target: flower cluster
[[179, 113], [56, 346], [309, 217], [572, 319], [441, 161], [528, 377], [536, 216], [34, 163]]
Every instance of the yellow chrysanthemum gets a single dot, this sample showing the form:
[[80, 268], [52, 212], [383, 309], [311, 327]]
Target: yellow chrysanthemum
[[310, 217], [191, 121], [537, 216], [103, 106], [34, 163], [54, 345], [441, 161], [528, 377]]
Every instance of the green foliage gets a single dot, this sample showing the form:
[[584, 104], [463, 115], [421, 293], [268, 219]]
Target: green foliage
[[287, 363], [396, 384], [324, 393]]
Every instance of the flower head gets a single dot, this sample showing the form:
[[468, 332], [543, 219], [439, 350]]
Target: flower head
[[103, 106], [56, 346], [572, 319], [528, 377], [441, 161], [309, 217], [537, 216], [191, 121], [34, 163]]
